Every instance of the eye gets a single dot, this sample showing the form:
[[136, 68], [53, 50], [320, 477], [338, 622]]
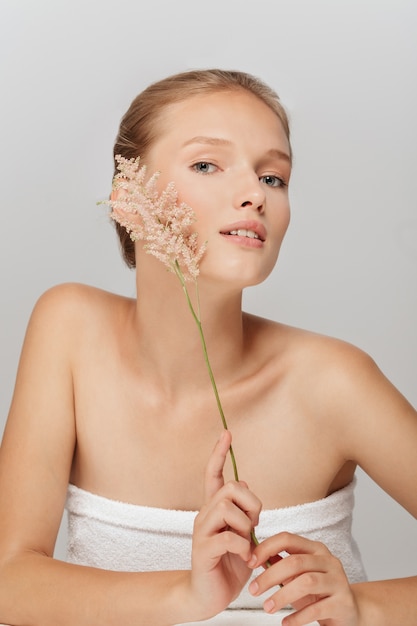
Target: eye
[[203, 167], [272, 181]]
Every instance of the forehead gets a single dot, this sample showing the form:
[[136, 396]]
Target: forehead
[[232, 115]]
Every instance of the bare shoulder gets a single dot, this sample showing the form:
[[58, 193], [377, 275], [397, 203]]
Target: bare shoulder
[[41, 431], [340, 389], [339, 380], [66, 322], [316, 355], [71, 298], [71, 307]]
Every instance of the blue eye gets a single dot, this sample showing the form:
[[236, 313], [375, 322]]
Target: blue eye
[[272, 181], [203, 167]]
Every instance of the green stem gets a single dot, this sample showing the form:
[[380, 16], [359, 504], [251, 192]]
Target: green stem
[[206, 358], [197, 320]]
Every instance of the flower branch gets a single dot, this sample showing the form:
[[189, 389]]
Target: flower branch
[[165, 227], [197, 319]]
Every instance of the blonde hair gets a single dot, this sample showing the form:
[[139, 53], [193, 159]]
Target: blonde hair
[[139, 126]]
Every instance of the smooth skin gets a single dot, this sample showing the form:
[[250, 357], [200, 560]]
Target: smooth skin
[[112, 395]]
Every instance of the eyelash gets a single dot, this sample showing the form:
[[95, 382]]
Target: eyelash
[[279, 183], [195, 167]]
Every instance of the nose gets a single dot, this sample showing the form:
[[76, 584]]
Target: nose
[[250, 194]]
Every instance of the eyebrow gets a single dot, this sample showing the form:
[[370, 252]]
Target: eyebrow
[[218, 141], [284, 156], [211, 141]]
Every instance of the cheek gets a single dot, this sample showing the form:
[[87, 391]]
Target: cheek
[[202, 203], [281, 219], [167, 173], [287, 219]]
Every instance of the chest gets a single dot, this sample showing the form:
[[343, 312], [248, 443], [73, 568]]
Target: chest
[[133, 449]]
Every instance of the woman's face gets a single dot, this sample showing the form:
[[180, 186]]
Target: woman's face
[[228, 156]]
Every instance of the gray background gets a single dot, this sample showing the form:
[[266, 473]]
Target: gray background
[[347, 74]]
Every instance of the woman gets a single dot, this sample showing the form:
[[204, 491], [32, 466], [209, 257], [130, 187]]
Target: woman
[[113, 397]]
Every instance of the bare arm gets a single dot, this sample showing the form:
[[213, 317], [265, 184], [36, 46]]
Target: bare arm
[[381, 435], [377, 428], [35, 462]]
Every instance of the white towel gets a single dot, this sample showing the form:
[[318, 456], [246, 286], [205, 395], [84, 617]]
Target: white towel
[[119, 536], [241, 618], [245, 618]]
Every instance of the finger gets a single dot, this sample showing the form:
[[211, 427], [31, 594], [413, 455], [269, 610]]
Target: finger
[[216, 547], [315, 596], [288, 569], [334, 609], [285, 542], [313, 612], [225, 516], [306, 579], [214, 472], [233, 505]]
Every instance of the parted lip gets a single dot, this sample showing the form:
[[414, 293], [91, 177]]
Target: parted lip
[[257, 228]]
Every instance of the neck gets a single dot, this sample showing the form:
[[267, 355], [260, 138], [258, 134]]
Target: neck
[[168, 337]]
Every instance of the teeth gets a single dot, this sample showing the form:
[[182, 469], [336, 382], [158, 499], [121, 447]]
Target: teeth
[[242, 232]]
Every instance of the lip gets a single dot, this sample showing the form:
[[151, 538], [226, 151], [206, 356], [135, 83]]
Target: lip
[[257, 228]]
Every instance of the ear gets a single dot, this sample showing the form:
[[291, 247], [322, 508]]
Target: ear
[[124, 215], [117, 194]]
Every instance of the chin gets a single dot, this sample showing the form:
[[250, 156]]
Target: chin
[[237, 281], [255, 277], [235, 274], [256, 281]]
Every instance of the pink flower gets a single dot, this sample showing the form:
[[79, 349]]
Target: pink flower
[[157, 219], [166, 228]]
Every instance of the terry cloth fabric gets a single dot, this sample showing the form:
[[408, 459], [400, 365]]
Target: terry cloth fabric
[[244, 617], [126, 537]]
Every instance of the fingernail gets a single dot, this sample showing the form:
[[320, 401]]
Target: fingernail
[[254, 587], [269, 605], [253, 560]]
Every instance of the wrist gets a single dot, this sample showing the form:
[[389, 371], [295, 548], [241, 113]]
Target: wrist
[[183, 602], [369, 610]]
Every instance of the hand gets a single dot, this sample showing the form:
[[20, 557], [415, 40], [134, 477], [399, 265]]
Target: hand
[[314, 582], [221, 540]]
